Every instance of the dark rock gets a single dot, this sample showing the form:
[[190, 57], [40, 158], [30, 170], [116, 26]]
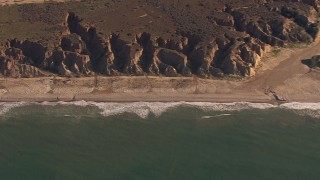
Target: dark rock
[[35, 51], [314, 62], [73, 43]]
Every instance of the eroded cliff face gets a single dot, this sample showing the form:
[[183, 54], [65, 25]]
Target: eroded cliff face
[[236, 40], [13, 63]]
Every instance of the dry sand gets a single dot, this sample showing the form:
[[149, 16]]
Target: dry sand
[[284, 75]]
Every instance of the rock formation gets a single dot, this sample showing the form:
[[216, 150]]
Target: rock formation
[[314, 62]]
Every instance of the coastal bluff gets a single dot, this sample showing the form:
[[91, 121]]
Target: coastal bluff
[[155, 38]]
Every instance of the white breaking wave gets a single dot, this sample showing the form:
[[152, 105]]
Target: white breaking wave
[[228, 106], [206, 117], [309, 109], [6, 107], [301, 106], [144, 109], [219, 115]]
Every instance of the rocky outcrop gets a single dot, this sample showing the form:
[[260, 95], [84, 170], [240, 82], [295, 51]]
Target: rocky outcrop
[[6, 66], [106, 63], [314, 62], [67, 63], [309, 21], [14, 63], [14, 53], [13, 68], [127, 56], [96, 46], [73, 43], [36, 52], [201, 59], [172, 60], [147, 60], [314, 3]]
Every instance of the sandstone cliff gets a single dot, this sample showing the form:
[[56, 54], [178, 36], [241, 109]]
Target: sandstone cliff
[[203, 38]]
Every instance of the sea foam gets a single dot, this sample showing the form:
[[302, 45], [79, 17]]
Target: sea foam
[[144, 109], [301, 106], [5, 107], [309, 109]]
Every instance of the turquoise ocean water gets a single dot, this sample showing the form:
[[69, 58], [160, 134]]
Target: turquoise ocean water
[[159, 141]]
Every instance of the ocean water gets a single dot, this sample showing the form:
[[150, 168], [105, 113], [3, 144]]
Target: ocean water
[[159, 141]]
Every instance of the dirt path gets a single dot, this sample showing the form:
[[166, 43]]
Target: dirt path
[[288, 76], [289, 65]]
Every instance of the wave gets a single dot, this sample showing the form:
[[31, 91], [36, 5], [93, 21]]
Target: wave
[[301, 106], [6, 107], [144, 109], [309, 109], [219, 115]]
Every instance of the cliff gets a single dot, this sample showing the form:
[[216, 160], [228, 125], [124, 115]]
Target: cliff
[[150, 37]]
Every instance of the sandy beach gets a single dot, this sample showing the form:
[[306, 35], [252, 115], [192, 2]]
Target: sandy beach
[[283, 76]]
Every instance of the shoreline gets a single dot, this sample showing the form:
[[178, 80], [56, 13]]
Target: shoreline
[[83, 89]]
